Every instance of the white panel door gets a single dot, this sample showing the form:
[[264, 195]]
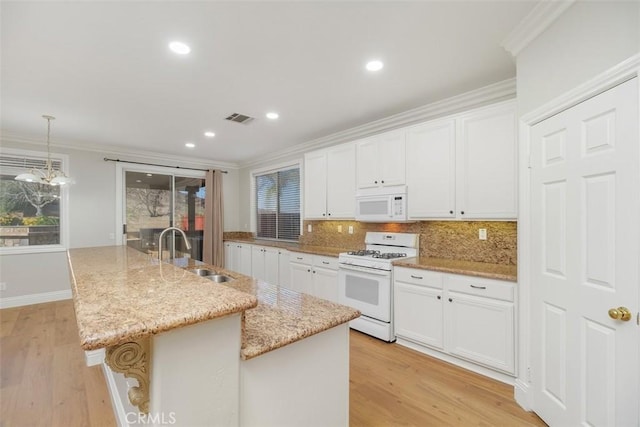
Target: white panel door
[[315, 185], [244, 259], [301, 280], [585, 212], [431, 170], [341, 182]]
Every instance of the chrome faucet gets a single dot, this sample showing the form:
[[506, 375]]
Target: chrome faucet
[[162, 234]]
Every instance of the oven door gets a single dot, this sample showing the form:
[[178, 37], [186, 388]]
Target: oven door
[[366, 289]]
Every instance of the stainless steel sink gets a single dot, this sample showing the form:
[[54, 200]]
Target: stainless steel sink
[[203, 272], [219, 278]]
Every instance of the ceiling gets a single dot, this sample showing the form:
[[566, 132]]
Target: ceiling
[[105, 71]]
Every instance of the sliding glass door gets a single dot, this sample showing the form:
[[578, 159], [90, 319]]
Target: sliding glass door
[[153, 201]]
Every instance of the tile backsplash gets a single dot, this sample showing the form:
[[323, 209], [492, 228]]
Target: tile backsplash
[[438, 239]]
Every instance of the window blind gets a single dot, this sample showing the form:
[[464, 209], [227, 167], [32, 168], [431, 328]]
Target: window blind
[[278, 204]]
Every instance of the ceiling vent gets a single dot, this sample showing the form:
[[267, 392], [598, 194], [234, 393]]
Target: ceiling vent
[[240, 118]]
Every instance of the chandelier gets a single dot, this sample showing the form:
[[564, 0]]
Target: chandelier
[[48, 176]]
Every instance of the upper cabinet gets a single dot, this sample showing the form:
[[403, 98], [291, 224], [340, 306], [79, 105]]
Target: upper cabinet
[[431, 170], [487, 179], [381, 160], [464, 167], [329, 184]]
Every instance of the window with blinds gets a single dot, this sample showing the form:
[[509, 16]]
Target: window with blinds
[[278, 204]]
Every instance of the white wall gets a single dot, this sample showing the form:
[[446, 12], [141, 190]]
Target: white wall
[[587, 39], [91, 219]]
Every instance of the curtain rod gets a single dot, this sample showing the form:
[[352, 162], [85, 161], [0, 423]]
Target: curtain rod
[[106, 159]]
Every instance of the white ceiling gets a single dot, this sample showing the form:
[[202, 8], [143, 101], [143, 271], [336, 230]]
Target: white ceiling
[[104, 69]]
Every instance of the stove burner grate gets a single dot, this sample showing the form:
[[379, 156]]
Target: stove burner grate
[[366, 252], [389, 255]]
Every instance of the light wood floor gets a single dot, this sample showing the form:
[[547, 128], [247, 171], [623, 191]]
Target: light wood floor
[[44, 381]]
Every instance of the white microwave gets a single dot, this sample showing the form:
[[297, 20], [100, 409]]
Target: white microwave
[[386, 204]]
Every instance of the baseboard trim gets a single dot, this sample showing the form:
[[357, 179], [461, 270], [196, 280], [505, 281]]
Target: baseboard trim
[[34, 299], [116, 403], [94, 357], [487, 372], [521, 394]]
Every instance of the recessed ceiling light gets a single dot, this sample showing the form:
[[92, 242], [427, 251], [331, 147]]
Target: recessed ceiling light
[[209, 134], [374, 65], [272, 115], [179, 48], [190, 145]]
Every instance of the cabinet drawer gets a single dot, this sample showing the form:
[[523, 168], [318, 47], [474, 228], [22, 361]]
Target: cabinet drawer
[[301, 258], [418, 277], [481, 287], [325, 262]]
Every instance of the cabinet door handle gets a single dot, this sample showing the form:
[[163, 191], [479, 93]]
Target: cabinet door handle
[[375, 182], [417, 277], [439, 297], [382, 182], [461, 212], [308, 271], [329, 214], [326, 262], [450, 300], [451, 212], [298, 257], [324, 214], [478, 287], [314, 272]]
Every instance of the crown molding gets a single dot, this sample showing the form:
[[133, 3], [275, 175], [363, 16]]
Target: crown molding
[[119, 151], [490, 94], [538, 20]]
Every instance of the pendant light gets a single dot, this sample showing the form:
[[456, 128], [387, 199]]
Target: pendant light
[[48, 176]]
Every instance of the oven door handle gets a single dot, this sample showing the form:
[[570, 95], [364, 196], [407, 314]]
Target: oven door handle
[[365, 270]]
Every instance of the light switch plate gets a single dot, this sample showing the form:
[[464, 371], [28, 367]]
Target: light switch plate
[[339, 229], [351, 229], [309, 228]]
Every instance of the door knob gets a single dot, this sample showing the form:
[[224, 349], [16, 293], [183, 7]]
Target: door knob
[[620, 313]]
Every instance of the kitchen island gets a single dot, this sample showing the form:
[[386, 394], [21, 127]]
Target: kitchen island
[[244, 353]]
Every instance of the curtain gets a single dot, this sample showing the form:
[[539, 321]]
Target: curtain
[[213, 247]]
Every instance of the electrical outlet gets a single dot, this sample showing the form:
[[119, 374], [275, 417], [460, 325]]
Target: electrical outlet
[[309, 228], [339, 229], [482, 233], [351, 229], [3, 286]]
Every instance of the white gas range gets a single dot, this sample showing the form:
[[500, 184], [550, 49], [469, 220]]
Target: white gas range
[[365, 280]]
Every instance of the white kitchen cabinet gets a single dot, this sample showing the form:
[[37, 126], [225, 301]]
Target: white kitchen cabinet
[[380, 160], [431, 171], [486, 177], [238, 257], [465, 317], [464, 166], [265, 264], [229, 256], [419, 309], [329, 186], [481, 330], [284, 268], [315, 275]]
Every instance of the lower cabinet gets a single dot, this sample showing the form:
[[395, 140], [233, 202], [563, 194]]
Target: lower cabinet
[[466, 317], [314, 275], [238, 257]]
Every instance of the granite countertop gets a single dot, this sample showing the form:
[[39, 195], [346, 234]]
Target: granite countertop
[[294, 247], [121, 294], [469, 268], [282, 316]]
